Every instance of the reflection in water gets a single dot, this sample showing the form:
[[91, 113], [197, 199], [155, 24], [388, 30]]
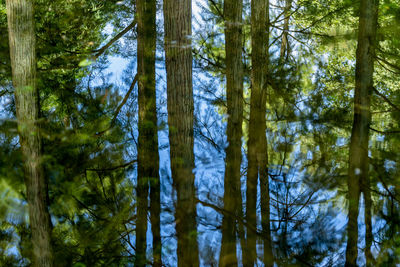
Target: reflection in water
[[231, 138]]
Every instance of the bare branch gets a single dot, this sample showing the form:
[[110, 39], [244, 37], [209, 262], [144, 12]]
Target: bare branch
[[120, 106], [386, 99], [125, 99], [114, 167], [113, 40], [385, 132]]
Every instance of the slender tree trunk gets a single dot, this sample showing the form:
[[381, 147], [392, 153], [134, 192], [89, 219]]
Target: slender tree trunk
[[358, 156], [283, 58], [21, 32], [148, 158], [178, 30], [285, 47], [370, 261], [257, 144], [234, 92], [268, 258], [155, 211]]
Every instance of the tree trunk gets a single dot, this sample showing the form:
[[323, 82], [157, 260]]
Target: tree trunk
[[358, 156], [178, 50], [285, 48], [234, 92], [148, 158], [257, 144], [366, 190], [21, 32]]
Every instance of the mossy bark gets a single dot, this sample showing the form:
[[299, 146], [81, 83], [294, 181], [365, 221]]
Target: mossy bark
[[257, 170], [178, 58], [148, 157], [21, 31], [358, 154], [234, 92]]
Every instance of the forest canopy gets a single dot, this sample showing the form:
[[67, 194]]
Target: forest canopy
[[199, 133]]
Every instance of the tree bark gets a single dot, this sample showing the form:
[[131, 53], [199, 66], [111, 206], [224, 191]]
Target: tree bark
[[370, 261], [148, 158], [358, 155], [234, 92], [285, 47], [178, 57], [257, 143], [21, 32]]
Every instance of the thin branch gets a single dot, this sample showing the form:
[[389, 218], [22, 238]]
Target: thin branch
[[386, 99], [279, 19], [386, 68], [88, 209], [215, 5], [389, 64], [302, 207], [114, 167], [113, 40], [385, 132], [4, 92], [376, 166], [126, 97]]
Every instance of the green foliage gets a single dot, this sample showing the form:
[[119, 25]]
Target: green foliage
[[90, 205], [88, 154]]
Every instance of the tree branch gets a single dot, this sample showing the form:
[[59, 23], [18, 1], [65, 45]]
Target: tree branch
[[114, 167], [113, 40], [125, 99], [397, 68], [120, 106], [4, 92], [386, 99], [385, 132]]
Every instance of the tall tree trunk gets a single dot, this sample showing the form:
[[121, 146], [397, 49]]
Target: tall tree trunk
[[234, 92], [148, 158], [257, 144], [268, 258], [285, 47], [21, 32], [358, 156], [366, 190], [155, 211], [178, 30]]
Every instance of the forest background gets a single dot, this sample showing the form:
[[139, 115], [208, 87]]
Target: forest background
[[184, 133]]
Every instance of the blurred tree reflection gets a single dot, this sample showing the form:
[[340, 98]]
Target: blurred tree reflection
[[200, 133]]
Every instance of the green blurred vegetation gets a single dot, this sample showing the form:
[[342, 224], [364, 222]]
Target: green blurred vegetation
[[89, 147]]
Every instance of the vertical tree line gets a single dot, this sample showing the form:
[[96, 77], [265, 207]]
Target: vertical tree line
[[257, 155], [234, 93], [148, 179], [178, 64], [358, 174], [22, 39]]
